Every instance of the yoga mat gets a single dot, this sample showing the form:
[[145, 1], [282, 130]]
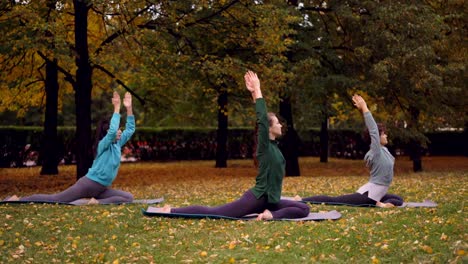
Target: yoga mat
[[425, 203], [155, 211], [35, 202], [84, 202]]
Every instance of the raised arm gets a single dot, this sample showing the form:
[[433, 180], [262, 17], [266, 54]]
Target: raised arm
[[116, 102], [113, 126], [370, 123], [115, 120], [130, 125], [253, 85]]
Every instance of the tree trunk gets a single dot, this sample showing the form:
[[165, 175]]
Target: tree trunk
[[83, 87], [290, 141], [49, 148], [415, 155], [415, 144], [324, 140], [465, 132], [221, 133]]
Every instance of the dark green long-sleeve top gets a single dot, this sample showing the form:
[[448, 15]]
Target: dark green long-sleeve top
[[271, 168]]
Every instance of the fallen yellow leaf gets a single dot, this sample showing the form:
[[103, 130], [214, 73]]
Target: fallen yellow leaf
[[232, 245]]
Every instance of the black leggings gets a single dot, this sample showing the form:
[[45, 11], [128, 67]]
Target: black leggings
[[354, 199], [249, 204]]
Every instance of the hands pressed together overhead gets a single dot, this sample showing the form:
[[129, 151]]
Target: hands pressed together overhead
[[253, 84]]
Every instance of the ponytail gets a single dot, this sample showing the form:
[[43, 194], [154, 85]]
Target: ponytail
[[101, 132]]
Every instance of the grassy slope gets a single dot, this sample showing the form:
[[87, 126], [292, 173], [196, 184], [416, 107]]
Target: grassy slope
[[48, 233]]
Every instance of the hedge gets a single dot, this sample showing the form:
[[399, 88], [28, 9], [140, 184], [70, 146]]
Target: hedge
[[200, 143]]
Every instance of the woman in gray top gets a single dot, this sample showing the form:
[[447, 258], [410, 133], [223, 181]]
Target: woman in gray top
[[380, 162]]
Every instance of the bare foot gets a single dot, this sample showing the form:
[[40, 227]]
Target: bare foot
[[385, 205], [93, 201], [297, 198], [12, 198], [166, 209], [266, 215], [81, 201]]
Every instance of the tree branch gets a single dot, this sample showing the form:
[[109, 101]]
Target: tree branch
[[151, 25], [110, 74], [68, 76], [221, 10], [317, 9], [119, 32], [400, 104]]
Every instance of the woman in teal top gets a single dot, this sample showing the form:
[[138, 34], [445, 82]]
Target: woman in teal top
[[264, 197], [95, 184]]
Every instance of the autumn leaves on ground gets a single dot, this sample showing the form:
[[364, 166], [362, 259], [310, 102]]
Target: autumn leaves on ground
[[121, 234]]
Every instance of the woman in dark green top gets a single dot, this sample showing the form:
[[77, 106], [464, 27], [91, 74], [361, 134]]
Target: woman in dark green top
[[264, 197]]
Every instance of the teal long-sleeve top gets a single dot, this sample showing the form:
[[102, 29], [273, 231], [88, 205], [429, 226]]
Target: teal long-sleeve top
[[378, 158], [107, 162], [271, 168]]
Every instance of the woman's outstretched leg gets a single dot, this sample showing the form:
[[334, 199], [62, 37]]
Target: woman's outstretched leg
[[83, 188], [246, 204], [354, 199]]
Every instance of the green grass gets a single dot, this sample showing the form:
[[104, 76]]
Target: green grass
[[121, 234]]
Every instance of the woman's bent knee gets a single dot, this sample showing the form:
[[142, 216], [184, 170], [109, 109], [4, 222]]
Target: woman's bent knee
[[129, 197]]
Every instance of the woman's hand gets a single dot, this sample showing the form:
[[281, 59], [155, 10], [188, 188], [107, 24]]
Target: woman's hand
[[253, 84], [251, 81], [127, 100], [128, 103], [360, 103]]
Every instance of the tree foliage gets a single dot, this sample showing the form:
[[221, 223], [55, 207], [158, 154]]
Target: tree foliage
[[183, 60], [204, 49], [399, 51]]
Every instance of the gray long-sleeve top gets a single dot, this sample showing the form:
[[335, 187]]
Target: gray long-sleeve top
[[378, 158]]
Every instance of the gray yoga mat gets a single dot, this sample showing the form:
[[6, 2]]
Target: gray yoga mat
[[425, 203], [84, 202], [155, 211]]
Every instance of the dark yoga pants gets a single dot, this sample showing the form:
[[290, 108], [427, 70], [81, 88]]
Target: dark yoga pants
[[249, 204], [354, 199], [84, 188]]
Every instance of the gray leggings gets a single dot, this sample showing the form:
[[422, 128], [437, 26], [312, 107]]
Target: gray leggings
[[249, 204], [84, 188]]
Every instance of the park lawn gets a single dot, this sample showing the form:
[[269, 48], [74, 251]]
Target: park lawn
[[121, 234]]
